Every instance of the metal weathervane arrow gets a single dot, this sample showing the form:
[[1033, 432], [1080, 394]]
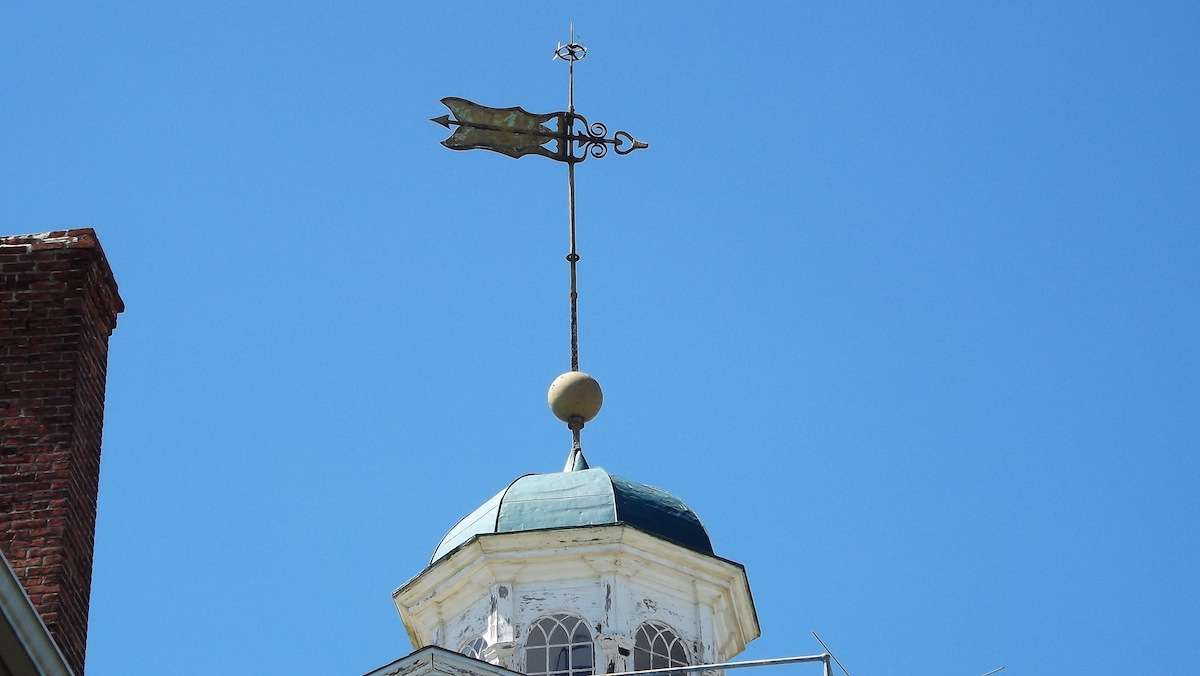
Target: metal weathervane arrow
[[517, 132]]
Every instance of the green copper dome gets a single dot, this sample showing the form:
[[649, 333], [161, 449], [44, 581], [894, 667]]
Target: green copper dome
[[583, 497]]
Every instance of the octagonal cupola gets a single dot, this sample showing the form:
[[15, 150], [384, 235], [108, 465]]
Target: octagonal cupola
[[578, 572]]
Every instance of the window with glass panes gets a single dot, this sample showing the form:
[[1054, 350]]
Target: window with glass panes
[[559, 645], [656, 646]]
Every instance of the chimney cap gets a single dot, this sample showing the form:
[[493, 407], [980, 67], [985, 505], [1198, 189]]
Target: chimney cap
[[75, 238]]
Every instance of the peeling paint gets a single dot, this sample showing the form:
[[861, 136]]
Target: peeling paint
[[415, 666], [614, 589]]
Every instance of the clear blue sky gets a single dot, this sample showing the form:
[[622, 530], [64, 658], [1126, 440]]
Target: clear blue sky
[[903, 299]]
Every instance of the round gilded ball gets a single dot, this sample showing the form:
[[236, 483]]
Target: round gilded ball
[[575, 394]]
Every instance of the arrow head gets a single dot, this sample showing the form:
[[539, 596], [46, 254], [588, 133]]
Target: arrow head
[[444, 120]]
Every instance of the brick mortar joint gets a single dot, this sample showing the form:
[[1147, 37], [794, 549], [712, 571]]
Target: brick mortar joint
[[48, 532], [77, 239], [54, 239]]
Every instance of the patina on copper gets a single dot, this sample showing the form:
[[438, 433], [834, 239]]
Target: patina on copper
[[516, 132]]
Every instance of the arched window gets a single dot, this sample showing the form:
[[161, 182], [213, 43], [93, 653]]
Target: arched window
[[559, 645], [656, 646], [474, 648]]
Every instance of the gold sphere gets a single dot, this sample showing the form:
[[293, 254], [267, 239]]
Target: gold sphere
[[575, 394]]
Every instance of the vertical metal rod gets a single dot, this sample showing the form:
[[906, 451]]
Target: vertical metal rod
[[573, 259], [571, 77], [572, 254], [571, 55]]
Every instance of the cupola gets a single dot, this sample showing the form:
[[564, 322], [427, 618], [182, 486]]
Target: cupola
[[579, 572]]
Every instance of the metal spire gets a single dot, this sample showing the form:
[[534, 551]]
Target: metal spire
[[517, 132], [572, 52]]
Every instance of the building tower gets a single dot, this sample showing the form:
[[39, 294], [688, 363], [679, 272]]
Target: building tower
[[577, 572], [580, 572]]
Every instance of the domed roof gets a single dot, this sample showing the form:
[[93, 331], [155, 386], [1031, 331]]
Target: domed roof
[[583, 497]]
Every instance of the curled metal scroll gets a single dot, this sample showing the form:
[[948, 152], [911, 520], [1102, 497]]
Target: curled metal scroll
[[592, 139]]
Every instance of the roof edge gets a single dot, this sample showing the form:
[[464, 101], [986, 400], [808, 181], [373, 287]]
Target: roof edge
[[25, 626], [75, 238], [616, 524], [434, 657]]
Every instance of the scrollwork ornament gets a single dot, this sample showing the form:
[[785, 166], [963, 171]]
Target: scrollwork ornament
[[592, 139]]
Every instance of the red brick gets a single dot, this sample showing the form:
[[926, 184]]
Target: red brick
[[58, 307]]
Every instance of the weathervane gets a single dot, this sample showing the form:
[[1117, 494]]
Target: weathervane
[[575, 397]]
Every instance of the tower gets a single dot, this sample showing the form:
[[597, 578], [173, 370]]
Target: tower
[[576, 572]]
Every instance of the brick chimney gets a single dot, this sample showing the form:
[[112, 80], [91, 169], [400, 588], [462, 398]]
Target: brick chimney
[[58, 306]]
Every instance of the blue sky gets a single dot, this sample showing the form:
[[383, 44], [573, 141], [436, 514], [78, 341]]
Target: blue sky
[[902, 300]]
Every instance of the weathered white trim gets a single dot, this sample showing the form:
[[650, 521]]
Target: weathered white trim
[[614, 576], [438, 661]]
